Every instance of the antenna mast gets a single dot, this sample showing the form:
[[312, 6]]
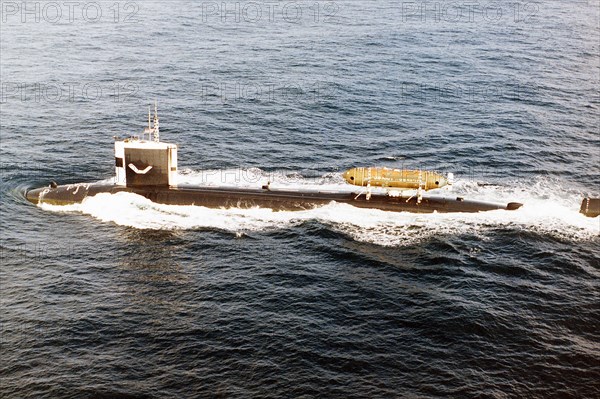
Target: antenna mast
[[156, 125], [149, 125]]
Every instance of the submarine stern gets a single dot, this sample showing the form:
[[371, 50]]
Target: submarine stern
[[590, 207]]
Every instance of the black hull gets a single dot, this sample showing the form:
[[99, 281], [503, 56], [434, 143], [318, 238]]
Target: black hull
[[278, 200]]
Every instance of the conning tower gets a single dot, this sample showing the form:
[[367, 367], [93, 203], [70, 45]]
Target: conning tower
[[141, 162]]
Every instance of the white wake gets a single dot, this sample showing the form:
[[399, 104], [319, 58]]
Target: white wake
[[548, 209]]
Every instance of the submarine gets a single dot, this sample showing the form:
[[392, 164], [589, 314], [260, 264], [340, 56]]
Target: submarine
[[147, 166]]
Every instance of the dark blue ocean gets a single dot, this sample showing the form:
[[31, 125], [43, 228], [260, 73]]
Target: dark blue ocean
[[122, 298]]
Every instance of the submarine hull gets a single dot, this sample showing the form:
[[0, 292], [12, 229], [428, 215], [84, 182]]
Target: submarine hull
[[278, 200]]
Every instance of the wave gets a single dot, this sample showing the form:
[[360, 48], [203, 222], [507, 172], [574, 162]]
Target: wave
[[549, 209]]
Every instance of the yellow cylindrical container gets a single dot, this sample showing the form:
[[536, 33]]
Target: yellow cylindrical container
[[397, 178]]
